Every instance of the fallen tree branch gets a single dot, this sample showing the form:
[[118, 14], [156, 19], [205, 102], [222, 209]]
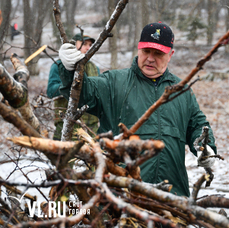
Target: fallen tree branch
[[53, 149], [12, 117], [134, 147], [66, 150], [184, 204], [132, 210], [213, 201], [197, 186], [125, 182], [15, 90]]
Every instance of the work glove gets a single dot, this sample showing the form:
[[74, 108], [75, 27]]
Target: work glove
[[206, 162], [69, 55]]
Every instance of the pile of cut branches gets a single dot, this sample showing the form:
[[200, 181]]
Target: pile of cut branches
[[102, 193]]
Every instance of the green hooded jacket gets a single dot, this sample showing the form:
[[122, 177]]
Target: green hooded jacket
[[61, 104], [124, 96]]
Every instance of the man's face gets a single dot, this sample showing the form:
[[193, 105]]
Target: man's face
[[153, 62], [86, 45]]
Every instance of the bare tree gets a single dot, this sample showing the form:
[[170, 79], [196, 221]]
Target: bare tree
[[137, 26], [145, 13], [70, 8], [5, 20], [34, 15], [113, 40], [213, 15], [227, 24]]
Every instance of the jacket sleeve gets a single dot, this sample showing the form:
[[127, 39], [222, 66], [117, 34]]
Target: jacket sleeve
[[195, 125], [53, 82], [66, 78], [94, 92]]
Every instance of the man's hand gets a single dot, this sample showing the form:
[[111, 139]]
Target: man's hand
[[69, 55], [204, 160]]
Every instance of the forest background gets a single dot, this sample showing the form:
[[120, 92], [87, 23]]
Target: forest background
[[197, 26]]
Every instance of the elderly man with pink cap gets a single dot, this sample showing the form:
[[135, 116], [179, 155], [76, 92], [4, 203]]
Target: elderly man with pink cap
[[123, 95]]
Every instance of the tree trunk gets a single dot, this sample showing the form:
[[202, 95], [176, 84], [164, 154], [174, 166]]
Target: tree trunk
[[145, 13], [138, 27], [113, 40], [156, 13], [55, 31], [5, 21], [227, 27], [213, 12], [34, 16], [131, 26], [28, 23], [70, 7]]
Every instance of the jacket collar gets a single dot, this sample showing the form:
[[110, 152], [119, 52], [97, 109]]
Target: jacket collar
[[167, 76]]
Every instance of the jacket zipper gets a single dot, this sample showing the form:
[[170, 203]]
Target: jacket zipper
[[159, 134]]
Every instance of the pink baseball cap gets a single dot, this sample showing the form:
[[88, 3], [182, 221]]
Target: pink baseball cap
[[158, 36]]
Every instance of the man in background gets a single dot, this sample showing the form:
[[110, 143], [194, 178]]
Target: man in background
[[54, 82]]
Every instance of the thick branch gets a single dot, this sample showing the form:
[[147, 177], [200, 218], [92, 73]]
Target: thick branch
[[124, 182], [197, 187], [132, 210], [15, 90], [173, 200], [12, 117], [213, 201], [78, 78], [55, 149]]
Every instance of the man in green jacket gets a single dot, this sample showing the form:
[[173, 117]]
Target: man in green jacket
[[124, 96], [54, 83]]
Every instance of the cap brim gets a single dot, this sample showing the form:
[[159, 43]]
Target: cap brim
[[157, 46], [91, 39]]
